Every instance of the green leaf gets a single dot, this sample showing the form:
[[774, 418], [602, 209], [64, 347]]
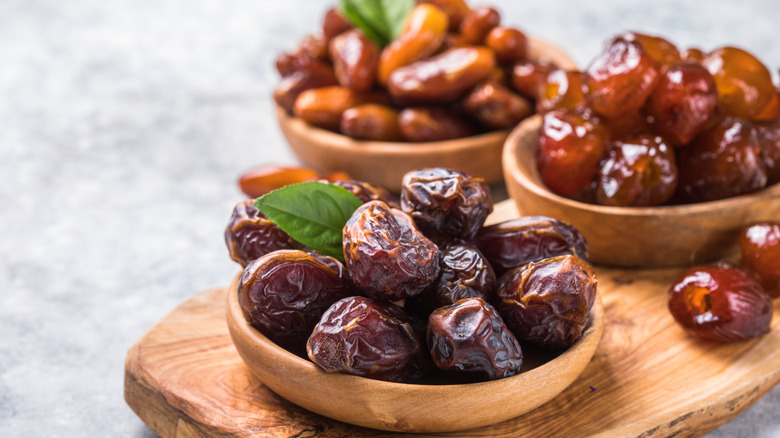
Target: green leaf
[[313, 213], [380, 20]]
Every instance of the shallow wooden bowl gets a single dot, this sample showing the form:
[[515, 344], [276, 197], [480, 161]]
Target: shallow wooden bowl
[[407, 407], [385, 163], [635, 236]]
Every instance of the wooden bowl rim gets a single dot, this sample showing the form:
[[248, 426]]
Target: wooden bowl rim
[[586, 345], [526, 135], [538, 49]]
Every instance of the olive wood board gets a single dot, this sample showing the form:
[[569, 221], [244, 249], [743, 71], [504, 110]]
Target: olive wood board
[[184, 378]]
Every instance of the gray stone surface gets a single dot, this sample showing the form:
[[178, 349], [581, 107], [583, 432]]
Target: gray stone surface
[[123, 126]]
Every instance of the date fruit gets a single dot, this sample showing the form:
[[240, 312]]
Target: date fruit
[[496, 106], [387, 257], [421, 124], [250, 235], [760, 246], [371, 121], [464, 273], [445, 203], [720, 303], [547, 302], [367, 192], [470, 339], [744, 84], [363, 337], [516, 242], [355, 60], [284, 293]]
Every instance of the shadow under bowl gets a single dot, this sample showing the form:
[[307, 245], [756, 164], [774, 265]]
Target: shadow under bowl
[[385, 163], [661, 236], [402, 407]]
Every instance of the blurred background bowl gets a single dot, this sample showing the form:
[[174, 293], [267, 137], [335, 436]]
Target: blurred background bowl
[[401, 407], [385, 163], [635, 236]]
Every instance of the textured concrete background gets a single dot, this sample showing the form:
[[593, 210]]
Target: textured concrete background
[[123, 126]]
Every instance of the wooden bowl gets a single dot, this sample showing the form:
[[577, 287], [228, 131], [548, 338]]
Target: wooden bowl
[[385, 163], [402, 407], [635, 236]]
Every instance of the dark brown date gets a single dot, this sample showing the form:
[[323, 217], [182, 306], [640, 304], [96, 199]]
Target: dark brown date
[[516, 242], [367, 192], [721, 162], [720, 303], [464, 273], [284, 293], [371, 121], [470, 339], [250, 235], [496, 106], [362, 337], [445, 203], [547, 302], [334, 24], [421, 124], [355, 60], [639, 172], [442, 78], [388, 258], [760, 247]]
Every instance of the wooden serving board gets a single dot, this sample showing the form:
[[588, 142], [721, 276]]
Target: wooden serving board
[[648, 378]]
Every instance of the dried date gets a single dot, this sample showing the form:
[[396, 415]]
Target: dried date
[[250, 235], [388, 258], [284, 293], [363, 337], [470, 339], [547, 302], [446, 203]]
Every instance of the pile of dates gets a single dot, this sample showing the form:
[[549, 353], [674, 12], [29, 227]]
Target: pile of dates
[[426, 290], [726, 302], [647, 124], [453, 72]]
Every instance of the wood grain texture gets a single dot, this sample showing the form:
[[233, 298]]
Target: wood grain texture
[[184, 377], [385, 163], [637, 236]]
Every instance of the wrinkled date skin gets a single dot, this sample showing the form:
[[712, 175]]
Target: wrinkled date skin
[[516, 242], [368, 192], [496, 106], [571, 143], [682, 102], [355, 60], [721, 162], [284, 293], [446, 203], [470, 339], [464, 273], [720, 303], [638, 172], [620, 79], [371, 122], [387, 257], [424, 30], [421, 124], [362, 337], [250, 235], [547, 302], [760, 246], [444, 77]]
